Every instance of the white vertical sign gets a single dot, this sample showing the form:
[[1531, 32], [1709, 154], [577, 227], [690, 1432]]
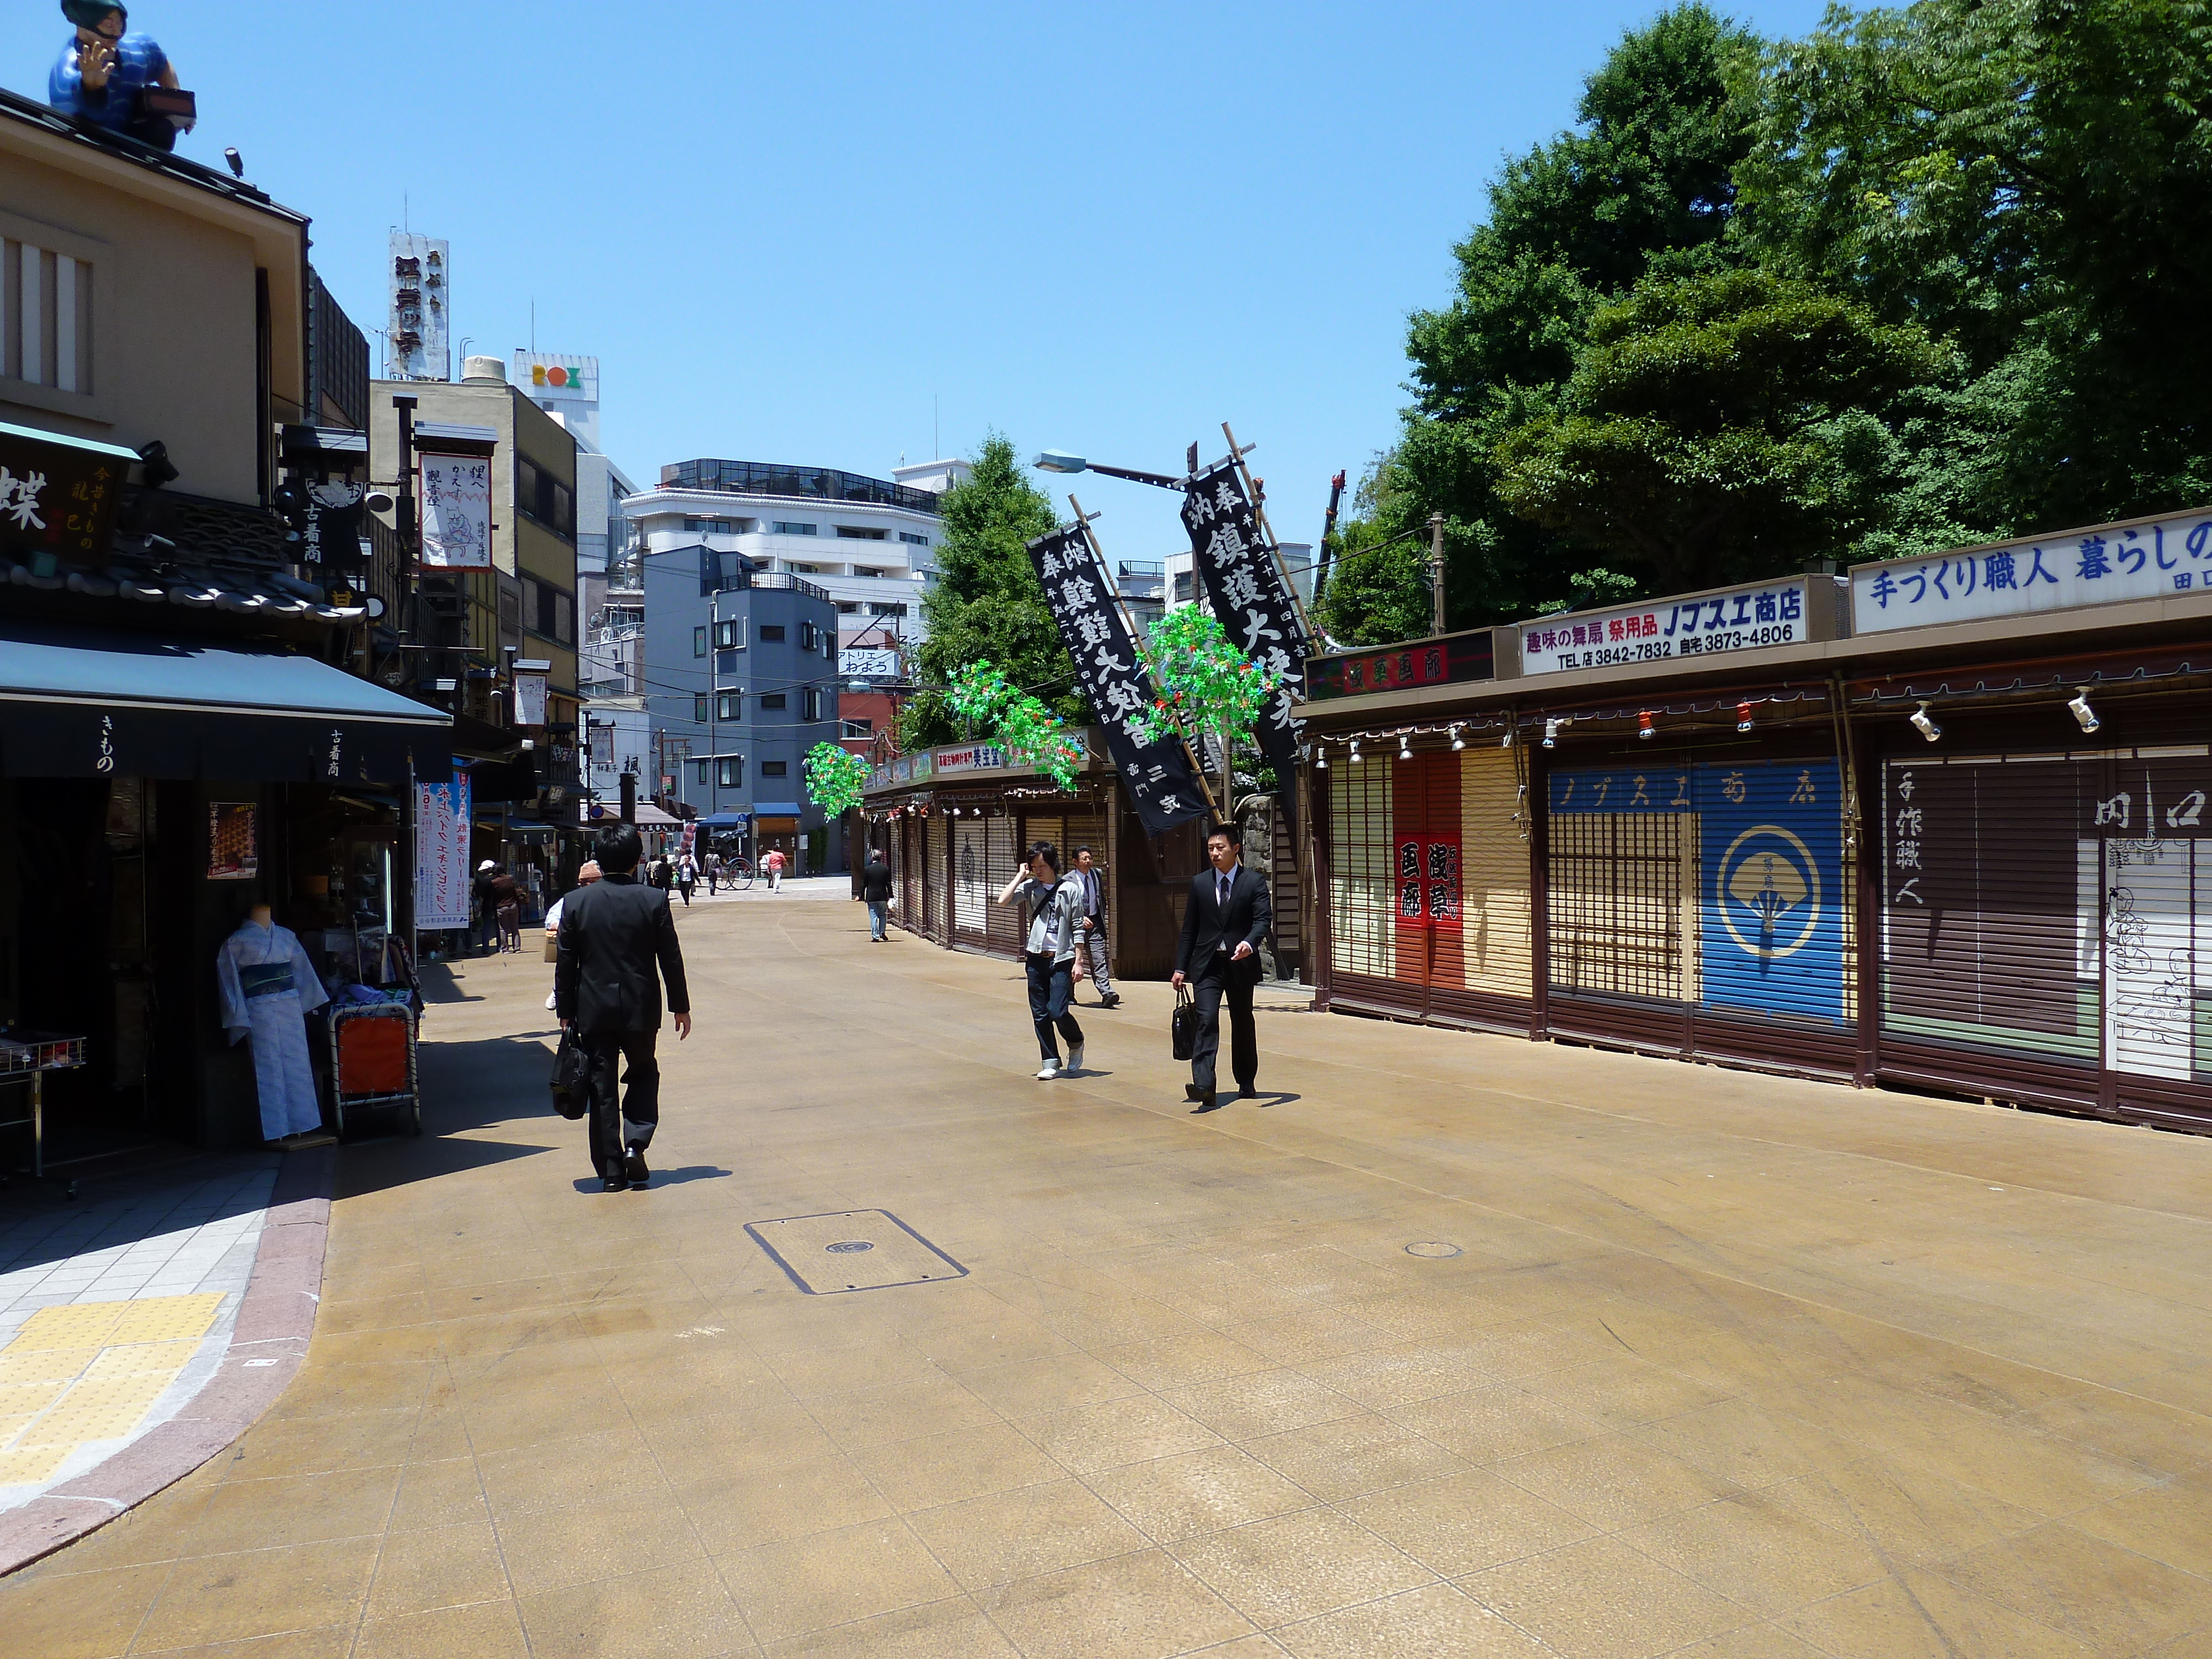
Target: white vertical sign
[[530, 699], [441, 854], [456, 512]]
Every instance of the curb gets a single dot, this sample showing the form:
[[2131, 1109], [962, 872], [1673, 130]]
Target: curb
[[276, 1317]]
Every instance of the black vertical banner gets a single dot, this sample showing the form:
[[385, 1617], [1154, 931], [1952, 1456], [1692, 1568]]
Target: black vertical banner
[[1243, 582], [1157, 773]]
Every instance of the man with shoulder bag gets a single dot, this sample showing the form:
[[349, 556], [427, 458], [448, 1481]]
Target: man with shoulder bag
[[618, 946], [1054, 909], [1228, 914]]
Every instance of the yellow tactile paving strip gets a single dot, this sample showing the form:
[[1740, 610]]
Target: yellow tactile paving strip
[[90, 1371]]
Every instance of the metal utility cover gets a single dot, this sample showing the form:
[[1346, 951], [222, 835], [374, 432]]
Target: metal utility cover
[[852, 1250]]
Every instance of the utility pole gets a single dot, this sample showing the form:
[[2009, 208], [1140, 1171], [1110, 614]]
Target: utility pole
[[1436, 572], [409, 527]]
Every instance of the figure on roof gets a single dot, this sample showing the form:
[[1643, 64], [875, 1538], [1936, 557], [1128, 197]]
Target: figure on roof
[[103, 72]]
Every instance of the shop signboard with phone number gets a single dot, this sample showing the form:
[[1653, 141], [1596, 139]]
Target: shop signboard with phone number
[[1707, 625]]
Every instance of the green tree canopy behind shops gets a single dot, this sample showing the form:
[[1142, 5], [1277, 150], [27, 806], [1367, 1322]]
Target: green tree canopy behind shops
[[985, 603]]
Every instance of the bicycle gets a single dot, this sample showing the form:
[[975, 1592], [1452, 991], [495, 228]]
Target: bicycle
[[739, 873]]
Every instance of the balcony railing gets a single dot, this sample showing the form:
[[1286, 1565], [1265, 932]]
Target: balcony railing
[[806, 484]]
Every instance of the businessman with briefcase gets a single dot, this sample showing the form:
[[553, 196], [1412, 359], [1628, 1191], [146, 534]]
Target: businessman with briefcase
[[1228, 914]]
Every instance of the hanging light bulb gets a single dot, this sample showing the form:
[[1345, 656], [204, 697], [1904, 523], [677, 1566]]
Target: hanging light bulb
[[1643, 726], [1355, 751], [1924, 724], [1743, 717], [1404, 747], [2081, 711], [1551, 733], [1321, 758]]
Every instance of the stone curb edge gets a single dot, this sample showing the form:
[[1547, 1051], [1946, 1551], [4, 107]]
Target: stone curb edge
[[276, 1317]]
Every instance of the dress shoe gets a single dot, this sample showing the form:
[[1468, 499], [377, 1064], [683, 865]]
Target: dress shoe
[[634, 1170], [1190, 1092], [1248, 1092], [614, 1183], [1207, 1102], [1111, 1000]]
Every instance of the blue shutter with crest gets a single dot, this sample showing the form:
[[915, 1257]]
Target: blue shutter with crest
[[1772, 901]]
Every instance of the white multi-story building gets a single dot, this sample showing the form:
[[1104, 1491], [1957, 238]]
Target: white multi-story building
[[868, 542], [568, 388]]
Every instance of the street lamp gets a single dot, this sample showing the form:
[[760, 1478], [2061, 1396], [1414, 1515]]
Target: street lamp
[[1058, 461]]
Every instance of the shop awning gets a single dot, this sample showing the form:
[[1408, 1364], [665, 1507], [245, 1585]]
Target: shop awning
[[92, 702], [726, 820], [776, 809], [601, 814]]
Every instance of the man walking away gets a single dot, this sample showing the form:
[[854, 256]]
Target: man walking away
[[614, 934], [1094, 926], [876, 893], [1227, 916], [712, 865], [1054, 910], [774, 864]]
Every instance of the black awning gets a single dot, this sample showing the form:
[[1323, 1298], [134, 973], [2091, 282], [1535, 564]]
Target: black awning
[[88, 703]]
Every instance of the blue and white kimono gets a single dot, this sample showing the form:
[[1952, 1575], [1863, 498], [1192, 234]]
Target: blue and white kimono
[[267, 987]]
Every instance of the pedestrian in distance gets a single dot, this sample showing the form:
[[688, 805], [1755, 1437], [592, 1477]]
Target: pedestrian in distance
[[1227, 916], [1054, 908], [711, 866], [1094, 928], [586, 874], [618, 949], [506, 893], [876, 893], [487, 938], [687, 877], [774, 864]]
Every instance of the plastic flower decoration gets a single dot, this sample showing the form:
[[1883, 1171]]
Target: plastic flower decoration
[[1206, 680], [835, 778], [1017, 722]]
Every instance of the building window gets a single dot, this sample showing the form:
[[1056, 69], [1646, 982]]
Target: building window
[[564, 618], [854, 533], [49, 297], [699, 640], [783, 527], [539, 495], [813, 699], [829, 645], [730, 772], [887, 608], [1182, 587], [729, 637], [773, 700], [867, 570], [695, 524], [729, 705], [807, 636], [913, 540], [849, 607], [549, 612], [771, 633], [774, 769], [703, 773], [856, 728], [699, 712], [808, 569]]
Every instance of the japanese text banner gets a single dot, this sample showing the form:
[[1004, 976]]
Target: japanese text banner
[[1158, 774], [1243, 582], [2145, 559]]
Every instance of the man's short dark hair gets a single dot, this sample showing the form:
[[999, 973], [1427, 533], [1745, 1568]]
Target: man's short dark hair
[[1045, 850], [1080, 851], [616, 850], [1230, 831]]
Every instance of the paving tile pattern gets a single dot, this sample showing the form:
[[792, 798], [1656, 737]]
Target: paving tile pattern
[[1729, 1367]]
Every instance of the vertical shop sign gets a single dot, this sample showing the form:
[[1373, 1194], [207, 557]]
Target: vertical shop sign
[[233, 841], [1157, 773], [456, 512], [530, 699], [441, 854], [1244, 581]]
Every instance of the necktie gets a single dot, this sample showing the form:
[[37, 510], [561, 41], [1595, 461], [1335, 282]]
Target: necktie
[[1221, 892]]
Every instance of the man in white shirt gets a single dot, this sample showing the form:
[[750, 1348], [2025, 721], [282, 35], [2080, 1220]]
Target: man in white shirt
[[1054, 908]]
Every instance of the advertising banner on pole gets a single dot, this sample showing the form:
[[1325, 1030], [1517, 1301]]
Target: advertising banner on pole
[[530, 699], [1158, 774], [1243, 582], [456, 512], [441, 854]]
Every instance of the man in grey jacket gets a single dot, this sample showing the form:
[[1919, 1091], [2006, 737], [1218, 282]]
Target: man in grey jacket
[[615, 934], [1054, 909]]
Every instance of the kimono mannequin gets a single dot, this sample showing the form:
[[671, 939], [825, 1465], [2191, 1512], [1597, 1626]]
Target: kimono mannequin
[[268, 986]]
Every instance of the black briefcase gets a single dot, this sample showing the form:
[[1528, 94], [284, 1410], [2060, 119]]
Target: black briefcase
[[1182, 1027], [571, 1094]]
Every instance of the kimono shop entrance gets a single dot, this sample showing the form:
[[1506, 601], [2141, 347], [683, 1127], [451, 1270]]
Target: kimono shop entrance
[[153, 790]]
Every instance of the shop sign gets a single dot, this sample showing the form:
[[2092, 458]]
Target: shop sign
[[976, 758], [530, 699], [867, 664], [442, 854], [233, 841], [456, 512], [2142, 559], [1665, 630], [57, 499], [1446, 662]]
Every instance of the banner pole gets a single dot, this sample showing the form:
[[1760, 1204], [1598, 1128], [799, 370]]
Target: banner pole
[[1275, 546]]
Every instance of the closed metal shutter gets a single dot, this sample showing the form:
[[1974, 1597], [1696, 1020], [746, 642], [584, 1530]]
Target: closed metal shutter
[[1363, 894], [936, 843], [970, 880], [1497, 975], [1003, 923], [1045, 826]]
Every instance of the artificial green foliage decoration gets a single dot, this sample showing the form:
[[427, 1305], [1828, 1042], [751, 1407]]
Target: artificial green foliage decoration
[[1204, 680], [1017, 722], [835, 778]]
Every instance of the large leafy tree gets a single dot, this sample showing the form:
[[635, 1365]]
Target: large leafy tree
[[1717, 427], [1644, 183], [985, 602]]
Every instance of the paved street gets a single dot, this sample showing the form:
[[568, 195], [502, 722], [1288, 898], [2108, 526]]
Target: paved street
[[1455, 1346]]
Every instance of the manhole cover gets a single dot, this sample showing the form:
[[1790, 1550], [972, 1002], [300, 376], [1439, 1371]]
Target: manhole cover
[[874, 1249], [1432, 1247], [849, 1247]]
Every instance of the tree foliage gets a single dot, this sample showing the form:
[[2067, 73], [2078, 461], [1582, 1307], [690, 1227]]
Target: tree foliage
[[985, 602]]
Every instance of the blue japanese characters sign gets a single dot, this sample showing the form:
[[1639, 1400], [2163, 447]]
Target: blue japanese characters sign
[[1705, 625], [2145, 559]]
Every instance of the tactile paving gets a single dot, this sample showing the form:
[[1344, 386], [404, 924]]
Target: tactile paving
[[43, 1364], [166, 1319], [137, 1358], [34, 1463]]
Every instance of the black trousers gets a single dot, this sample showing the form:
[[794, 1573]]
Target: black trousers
[[620, 1121], [1052, 987], [1222, 978]]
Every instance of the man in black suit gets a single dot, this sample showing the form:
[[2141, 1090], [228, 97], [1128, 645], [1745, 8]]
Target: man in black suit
[[613, 935], [1228, 914]]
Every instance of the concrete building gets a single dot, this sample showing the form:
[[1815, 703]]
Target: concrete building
[[741, 680], [610, 650], [864, 542], [568, 388]]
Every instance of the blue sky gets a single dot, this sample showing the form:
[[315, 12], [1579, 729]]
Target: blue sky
[[788, 231]]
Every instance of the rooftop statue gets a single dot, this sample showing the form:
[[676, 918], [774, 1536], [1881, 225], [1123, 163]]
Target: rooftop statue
[[103, 74]]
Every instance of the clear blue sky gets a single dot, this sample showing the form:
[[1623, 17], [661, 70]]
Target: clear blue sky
[[786, 230]]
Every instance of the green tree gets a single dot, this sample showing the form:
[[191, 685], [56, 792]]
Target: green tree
[[1644, 183], [1719, 428], [987, 603]]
